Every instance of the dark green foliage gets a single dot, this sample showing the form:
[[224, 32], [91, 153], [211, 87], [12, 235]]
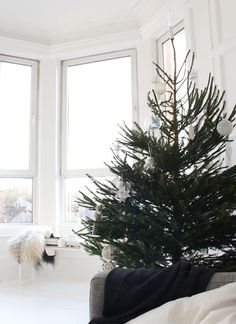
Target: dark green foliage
[[182, 208]]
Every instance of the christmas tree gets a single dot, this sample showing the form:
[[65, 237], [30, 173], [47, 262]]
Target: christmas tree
[[173, 196]]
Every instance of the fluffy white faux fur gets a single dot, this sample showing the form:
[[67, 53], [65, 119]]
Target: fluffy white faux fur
[[27, 247]]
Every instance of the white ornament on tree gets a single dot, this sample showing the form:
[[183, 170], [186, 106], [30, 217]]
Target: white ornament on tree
[[191, 132], [121, 184], [149, 164], [98, 211], [107, 252], [109, 265], [117, 147], [224, 127], [123, 191], [159, 88], [115, 181], [152, 125], [97, 215]]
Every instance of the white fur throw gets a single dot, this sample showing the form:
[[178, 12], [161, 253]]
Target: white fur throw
[[27, 247], [217, 306]]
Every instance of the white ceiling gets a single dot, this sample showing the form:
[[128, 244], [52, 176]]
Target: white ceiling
[[56, 21]]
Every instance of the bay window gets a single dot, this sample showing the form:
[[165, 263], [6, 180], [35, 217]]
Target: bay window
[[99, 94], [18, 111]]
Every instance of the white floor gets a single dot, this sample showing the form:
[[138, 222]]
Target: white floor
[[44, 302]]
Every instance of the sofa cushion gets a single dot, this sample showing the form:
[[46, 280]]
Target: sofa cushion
[[98, 283], [217, 306]]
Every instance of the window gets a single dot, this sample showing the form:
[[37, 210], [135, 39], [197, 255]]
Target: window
[[165, 51], [98, 95], [166, 57], [18, 101]]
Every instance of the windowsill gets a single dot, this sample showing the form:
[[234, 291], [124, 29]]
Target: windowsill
[[72, 252], [13, 229], [63, 229]]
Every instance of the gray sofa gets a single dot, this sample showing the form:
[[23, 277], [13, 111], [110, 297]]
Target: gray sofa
[[96, 298]]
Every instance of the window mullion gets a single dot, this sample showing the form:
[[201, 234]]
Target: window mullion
[[98, 93]]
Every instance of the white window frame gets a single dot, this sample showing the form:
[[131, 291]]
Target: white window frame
[[96, 172], [29, 173]]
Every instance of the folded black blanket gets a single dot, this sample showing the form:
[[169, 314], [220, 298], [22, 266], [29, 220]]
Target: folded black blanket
[[130, 293]]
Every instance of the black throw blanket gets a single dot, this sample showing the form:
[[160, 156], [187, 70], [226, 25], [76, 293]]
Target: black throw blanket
[[130, 293]]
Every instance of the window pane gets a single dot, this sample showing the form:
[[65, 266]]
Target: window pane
[[168, 59], [73, 212], [15, 200], [99, 98], [180, 47], [15, 97]]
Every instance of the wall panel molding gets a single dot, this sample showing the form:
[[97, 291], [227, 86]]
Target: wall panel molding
[[218, 22], [211, 33]]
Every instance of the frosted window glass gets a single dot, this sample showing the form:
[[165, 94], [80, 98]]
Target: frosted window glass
[[99, 99], [180, 48], [15, 97]]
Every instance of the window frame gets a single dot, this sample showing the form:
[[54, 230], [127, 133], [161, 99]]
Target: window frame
[[31, 172], [95, 172]]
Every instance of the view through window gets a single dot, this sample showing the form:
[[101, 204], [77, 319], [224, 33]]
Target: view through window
[[17, 88], [98, 98], [166, 59], [180, 48]]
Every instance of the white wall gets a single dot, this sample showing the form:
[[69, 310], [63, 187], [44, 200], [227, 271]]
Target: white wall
[[211, 29], [211, 33]]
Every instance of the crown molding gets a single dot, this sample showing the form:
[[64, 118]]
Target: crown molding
[[100, 44], [157, 25], [22, 48]]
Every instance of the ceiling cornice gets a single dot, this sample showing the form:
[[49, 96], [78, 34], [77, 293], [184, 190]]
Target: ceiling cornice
[[32, 50], [157, 25], [109, 42], [21, 48]]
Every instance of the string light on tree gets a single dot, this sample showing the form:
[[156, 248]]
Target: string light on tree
[[117, 147], [107, 252], [97, 215]]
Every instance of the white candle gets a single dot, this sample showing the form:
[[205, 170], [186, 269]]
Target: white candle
[[171, 32], [170, 26]]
